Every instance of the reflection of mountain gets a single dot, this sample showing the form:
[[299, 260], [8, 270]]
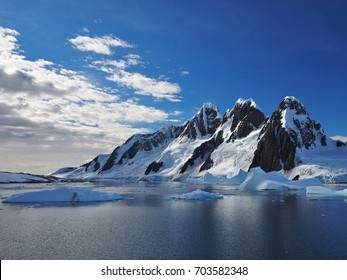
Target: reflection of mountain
[[242, 139]]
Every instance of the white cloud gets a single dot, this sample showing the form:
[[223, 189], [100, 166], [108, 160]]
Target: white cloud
[[143, 85], [184, 73], [85, 29], [147, 86], [100, 45], [176, 113], [51, 115]]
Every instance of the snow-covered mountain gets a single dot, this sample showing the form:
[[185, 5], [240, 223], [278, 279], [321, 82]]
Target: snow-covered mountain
[[222, 146], [288, 129]]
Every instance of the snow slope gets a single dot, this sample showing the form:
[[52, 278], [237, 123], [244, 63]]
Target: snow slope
[[327, 163]]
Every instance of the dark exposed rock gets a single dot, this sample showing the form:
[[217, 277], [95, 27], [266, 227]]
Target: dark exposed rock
[[275, 151], [296, 178], [111, 160], [96, 163], [154, 167], [339, 143], [207, 164]]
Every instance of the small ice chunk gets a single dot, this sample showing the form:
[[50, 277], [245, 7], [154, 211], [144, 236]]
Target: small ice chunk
[[197, 195]]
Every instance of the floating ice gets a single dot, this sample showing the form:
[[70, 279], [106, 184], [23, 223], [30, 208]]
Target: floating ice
[[321, 192], [197, 195], [63, 195], [257, 179], [229, 179]]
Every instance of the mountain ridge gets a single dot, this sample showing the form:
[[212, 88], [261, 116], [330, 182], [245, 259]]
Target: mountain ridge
[[241, 139]]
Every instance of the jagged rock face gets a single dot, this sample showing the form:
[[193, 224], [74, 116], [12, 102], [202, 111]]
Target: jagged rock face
[[290, 127], [275, 150], [148, 142], [204, 123], [245, 118], [304, 131]]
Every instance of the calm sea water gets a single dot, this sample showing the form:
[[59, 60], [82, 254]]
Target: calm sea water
[[149, 225]]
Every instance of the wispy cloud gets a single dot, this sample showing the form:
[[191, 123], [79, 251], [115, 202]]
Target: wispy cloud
[[117, 69], [100, 45], [147, 86], [143, 85], [184, 73], [46, 109]]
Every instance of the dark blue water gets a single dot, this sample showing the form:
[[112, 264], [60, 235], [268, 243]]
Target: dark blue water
[[148, 225]]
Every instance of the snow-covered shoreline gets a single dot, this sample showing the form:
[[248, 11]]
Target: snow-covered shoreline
[[11, 177]]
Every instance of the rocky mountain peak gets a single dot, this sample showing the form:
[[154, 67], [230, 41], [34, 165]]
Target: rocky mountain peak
[[288, 129], [203, 123], [303, 131], [244, 117]]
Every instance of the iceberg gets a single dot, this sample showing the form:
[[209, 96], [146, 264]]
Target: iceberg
[[321, 192], [257, 179], [229, 179], [197, 195], [72, 195]]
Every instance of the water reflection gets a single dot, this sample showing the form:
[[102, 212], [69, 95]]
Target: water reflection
[[149, 225]]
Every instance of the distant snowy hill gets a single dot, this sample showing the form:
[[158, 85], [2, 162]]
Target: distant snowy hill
[[9, 177], [220, 146], [340, 138]]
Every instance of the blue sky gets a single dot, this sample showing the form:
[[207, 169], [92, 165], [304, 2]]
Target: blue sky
[[79, 77]]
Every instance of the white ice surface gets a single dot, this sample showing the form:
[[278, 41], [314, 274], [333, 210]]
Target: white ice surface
[[197, 195], [63, 195]]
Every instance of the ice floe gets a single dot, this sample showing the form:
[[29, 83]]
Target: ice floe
[[197, 195], [73, 195], [321, 192]]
